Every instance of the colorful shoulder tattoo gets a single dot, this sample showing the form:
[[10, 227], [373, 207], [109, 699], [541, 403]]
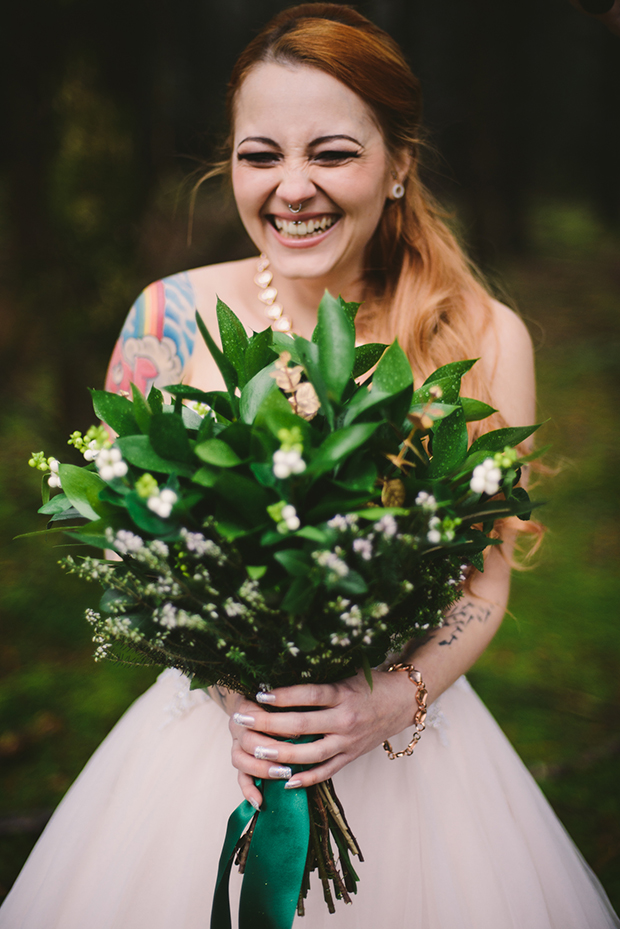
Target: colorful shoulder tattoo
[[157, 339]]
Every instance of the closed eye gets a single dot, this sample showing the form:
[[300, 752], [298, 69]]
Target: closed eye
[[259, 158], [335, 157]]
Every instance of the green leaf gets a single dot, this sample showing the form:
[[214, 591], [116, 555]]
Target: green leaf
[[227, 369], [285, 342], [138, 451], [367, 669], [115, 411], [313, 534], [275, 413], [244, 497], [455, 369], [392, 377], [155, 400], [294, 561], [475, 409], [498, 439], [141, 410], [217, 452], [449, 444], [448, 379], [336, 344], [255, 392], [299, 596], [477, 559], [205, 430], [82, 490], [366, 356], [255, 572], [351, 583], [337, 446], [206, 476], [309, 357], [234, 339], [45, 490], [169, 437], [57, 504], [393, 372], [259, 353], [522, 497], [350, 308]]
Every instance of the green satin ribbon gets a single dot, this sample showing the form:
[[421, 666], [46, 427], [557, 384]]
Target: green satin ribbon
[[275, 864]]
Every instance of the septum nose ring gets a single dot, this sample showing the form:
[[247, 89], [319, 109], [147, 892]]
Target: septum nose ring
[[295, 209]]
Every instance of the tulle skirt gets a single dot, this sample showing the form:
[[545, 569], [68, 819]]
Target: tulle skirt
[[456, 837]]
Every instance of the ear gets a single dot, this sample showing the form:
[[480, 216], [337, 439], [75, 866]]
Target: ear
[[400, 164]]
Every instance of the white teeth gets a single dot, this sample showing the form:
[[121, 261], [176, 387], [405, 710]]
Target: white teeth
[[298, 228]]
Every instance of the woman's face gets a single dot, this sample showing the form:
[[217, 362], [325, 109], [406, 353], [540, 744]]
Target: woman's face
[[303, 137]]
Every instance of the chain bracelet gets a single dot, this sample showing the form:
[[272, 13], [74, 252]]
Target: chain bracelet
[[419, 720]]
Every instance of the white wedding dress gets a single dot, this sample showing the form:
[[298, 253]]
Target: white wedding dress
[[458, 836]]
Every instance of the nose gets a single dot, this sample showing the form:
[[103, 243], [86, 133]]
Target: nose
[[295, 187]]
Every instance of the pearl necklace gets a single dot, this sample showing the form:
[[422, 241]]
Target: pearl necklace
[[268, 296]]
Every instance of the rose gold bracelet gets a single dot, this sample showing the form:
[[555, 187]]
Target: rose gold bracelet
[[419, 720]]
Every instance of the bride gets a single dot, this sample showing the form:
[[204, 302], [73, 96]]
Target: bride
[[323, 156]]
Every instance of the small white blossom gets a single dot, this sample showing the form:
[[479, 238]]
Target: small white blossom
[[363, 547], [342, 522], [92, 450], [292, 649], [167, 616], [126, 542], [290, 517], [353, 618], [486, 478], [110, 464], [162, 502], [387, 525], [379, 610], [434, 536], [54, 478], [331, 561], [287, 463], [426, 501], [159, 548]]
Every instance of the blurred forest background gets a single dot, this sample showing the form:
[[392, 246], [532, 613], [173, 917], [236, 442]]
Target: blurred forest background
[[108, 109]]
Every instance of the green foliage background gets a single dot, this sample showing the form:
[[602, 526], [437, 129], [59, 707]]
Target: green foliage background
[[93, 205]]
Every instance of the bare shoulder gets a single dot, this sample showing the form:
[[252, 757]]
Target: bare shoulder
[[508, 359]]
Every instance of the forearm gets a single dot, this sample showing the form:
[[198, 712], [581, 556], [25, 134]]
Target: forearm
[[449, 651]]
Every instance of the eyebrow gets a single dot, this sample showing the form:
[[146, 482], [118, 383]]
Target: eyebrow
[[320, 141]]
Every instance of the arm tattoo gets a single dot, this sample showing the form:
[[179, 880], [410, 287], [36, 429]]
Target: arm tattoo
[[157, 338], [461, 615]]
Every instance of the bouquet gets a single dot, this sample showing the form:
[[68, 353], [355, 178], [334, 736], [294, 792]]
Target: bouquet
[[295, 527]]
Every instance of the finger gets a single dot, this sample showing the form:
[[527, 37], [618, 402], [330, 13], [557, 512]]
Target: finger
[[300, 695], [253, 767], [309, 753], [290, 724], [317, 775], [249, 790]]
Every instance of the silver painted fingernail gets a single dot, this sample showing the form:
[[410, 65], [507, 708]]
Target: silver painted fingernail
[[242, 720], [265, 754], [293, 783], [262, 697], [255, 804], [280, 771]]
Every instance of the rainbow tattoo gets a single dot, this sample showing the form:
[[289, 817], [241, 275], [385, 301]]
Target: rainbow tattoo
[[157, 339]]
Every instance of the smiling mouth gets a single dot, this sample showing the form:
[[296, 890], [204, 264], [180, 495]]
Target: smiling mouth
[[298, 228]]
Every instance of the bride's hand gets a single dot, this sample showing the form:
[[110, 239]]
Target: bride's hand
[[352, 718]]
